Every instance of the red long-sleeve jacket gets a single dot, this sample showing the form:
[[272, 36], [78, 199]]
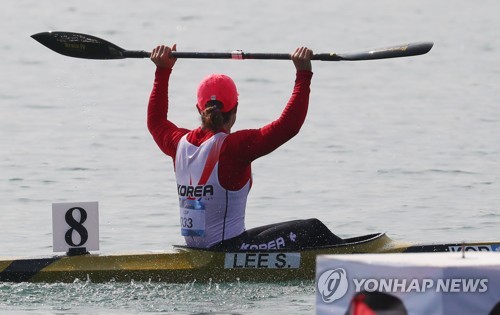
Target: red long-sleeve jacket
[[241, 147]]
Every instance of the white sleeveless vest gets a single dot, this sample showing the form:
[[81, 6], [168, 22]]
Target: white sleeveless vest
[[208, 212]]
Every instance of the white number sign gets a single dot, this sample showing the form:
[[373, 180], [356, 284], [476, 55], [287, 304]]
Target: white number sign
[[75, 225]]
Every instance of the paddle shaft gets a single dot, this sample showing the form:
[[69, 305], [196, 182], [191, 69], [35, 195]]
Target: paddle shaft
[[239, 55], [222, 55], [208, 55]]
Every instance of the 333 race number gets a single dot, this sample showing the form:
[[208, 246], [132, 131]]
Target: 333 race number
[[186, 222]]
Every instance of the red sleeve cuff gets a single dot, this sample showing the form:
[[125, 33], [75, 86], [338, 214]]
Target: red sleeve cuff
[[304, 73]]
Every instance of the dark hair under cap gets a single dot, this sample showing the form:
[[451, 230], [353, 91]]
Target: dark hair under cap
[[212, 117]]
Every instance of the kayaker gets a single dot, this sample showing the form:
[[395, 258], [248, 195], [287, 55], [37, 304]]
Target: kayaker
[[213, 165]]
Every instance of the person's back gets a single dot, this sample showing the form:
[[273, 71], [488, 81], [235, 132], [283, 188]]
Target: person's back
[[209, 213]]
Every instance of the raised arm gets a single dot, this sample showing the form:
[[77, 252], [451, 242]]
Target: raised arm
[[255, 143], [165, 133]]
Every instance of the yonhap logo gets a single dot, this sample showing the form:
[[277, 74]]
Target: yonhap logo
[[332, 285]]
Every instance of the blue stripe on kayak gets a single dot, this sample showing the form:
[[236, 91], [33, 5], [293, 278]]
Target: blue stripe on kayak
[[193, 232]]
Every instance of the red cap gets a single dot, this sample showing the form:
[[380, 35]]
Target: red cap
[[217, 87]]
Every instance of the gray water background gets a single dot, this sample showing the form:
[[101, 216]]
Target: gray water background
[[407, 146]]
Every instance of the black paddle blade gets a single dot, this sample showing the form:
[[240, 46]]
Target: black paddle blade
[[79, 45]]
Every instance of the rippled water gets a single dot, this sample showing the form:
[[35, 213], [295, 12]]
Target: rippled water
[[138, 298], [408, 146]]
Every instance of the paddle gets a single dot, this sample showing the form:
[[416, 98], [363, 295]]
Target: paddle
[[91, 47]]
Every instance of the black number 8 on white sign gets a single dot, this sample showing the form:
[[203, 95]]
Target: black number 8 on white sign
[[76, 225]]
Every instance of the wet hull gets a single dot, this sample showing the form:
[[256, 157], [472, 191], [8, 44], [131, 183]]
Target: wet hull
[[182, 265]]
